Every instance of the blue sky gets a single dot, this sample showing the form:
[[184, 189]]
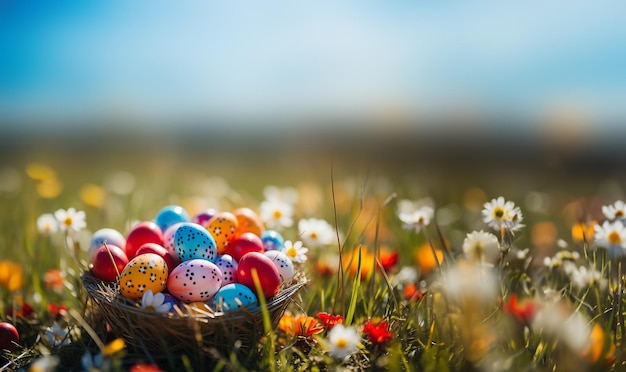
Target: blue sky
[[247, 60]]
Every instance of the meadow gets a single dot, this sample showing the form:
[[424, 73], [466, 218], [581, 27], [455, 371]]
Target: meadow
[[430, 260]]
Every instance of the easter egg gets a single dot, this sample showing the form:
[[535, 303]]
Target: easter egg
[[144, 272], [142, 233], [234, 296], [228, 267], [222, 228], [272, 240], [266, 271], [194, 241], [8, 336], [283, 265], [248, 221], [168, 242], [161, 251], [170, 215], [194, 280], [109, 263], [203, 217], [110, 236], [244, 243]]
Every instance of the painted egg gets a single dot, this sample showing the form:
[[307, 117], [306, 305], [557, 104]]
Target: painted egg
[[272, 240], [159, 250], [168, 242], [244, 243], [266, 271], [228, 267], [142, 233], [194, 280], [203, 217], [234, 296], [194, 241], [8, 336], [111, 236], [168, 298], [248, 221], [145, 272], [283, 265], [222, 228], [109, 262], [170, 215]]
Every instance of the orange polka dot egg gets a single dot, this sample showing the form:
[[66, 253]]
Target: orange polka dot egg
[[143, 273]]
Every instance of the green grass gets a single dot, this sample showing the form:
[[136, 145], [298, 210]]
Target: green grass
[[466, 331]]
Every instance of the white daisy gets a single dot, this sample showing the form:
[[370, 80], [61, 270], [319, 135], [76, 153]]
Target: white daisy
[[612, 236], [155, 302], [46, 363], [470, 281], [416, 219], [287, 194], [616, 211], [482, 247], [315, 232], [47, 224], [556, 322], [499, 214], [276, 214], [57, 336], [295, 251], [71, 219], [343, 341]]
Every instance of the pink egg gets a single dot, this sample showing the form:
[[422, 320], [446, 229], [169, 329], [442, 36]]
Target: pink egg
[[195, 280], [168, 241], [228, 267]]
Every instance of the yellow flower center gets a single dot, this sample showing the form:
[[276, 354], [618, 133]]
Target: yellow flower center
[[68, 221], [619, 214], [277, 214], [292, 252], [341, 343], [313, 235], [150, 308], [614, 238], [498, 213]]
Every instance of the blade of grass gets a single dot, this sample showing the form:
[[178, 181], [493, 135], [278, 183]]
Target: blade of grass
[[356, 284], [267, 323]]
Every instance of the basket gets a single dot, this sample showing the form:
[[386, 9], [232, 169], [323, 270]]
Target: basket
[[184, 330]]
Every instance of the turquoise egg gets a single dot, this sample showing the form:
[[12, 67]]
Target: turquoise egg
[[234, 296], [194, 241]]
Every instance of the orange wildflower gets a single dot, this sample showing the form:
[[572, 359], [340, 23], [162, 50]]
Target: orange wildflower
[[300, 326], [53, 279], [426, 260], [11, 275], [583, 231], [412, 293], [387, 259], [600, 349]]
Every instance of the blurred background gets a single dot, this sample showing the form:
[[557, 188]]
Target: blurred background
[[459, 85]]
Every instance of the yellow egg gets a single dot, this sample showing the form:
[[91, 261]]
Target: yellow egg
[[222, 228], [143, 273]]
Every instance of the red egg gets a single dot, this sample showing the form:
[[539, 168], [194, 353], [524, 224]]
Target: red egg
[[248, 221], [142, 233], [105, 269], [8, 335], [244, 243], [265, 270], [160, 251]]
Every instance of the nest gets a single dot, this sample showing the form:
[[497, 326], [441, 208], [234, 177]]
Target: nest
[[186, 329]]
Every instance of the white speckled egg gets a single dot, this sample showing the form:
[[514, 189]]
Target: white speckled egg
[[234, 296], [194, 241], [283, 264], [228, 267], [194, 280], [168, 241]]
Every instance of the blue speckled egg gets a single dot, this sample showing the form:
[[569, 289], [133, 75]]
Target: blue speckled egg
[[228, 266], [272, 240], [234, 296], [194, 241], [111, 236], [170, 215]]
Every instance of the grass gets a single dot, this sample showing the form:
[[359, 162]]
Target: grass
[[441, 314]]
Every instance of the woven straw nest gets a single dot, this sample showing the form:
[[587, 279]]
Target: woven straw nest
[[185, 329]]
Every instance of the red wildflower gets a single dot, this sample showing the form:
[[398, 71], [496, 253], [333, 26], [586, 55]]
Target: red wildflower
[[412, 293], [57, 311], [524, 310], [388, 259], [22, 310], [329, 320], [377, 333], [53, 279], [144, 367]]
